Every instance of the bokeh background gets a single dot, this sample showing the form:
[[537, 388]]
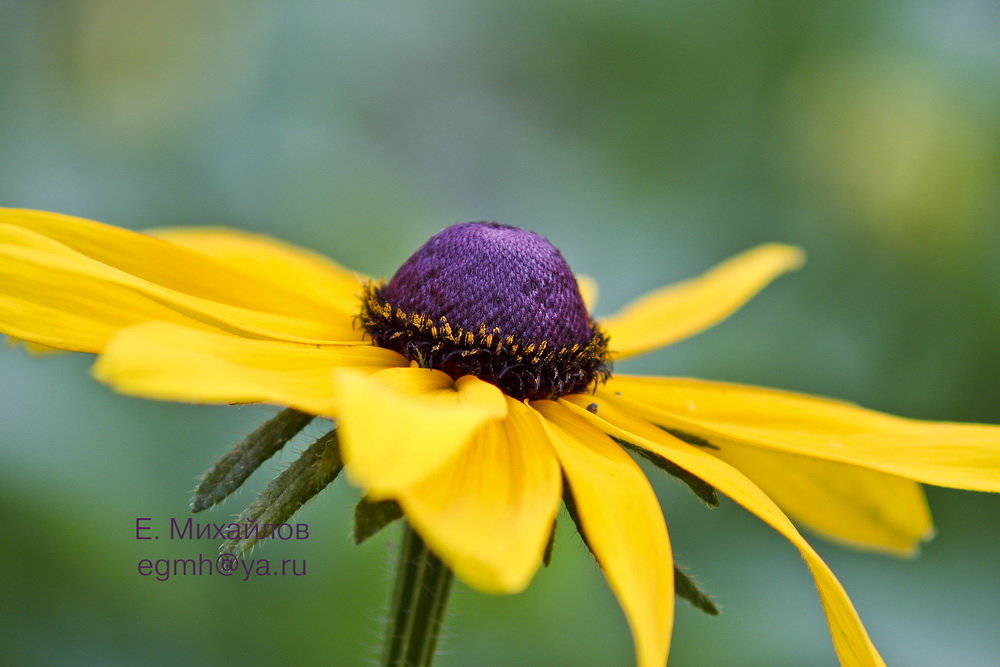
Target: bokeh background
[[648, 141]]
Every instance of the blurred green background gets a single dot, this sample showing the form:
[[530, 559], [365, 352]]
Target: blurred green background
[[648, 141]]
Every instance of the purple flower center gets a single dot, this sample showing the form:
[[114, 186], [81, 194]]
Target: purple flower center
[[484, 273], [492, 301]]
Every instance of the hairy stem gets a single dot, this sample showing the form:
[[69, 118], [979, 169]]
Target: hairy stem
[[418, 603]]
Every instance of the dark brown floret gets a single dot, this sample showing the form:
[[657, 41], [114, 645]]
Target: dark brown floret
[[521, 369]]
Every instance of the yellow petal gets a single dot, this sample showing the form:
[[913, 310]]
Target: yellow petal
[[965, 456], [623, 525], [43, 264], [856, 506], [677, 311], [169, 362], [166, 264], [33, 349], [488, 512], [47, 304], [303, 271], [399, 425], [588, 291], [850, 640]]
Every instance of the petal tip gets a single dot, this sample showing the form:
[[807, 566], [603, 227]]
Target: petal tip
[[791, 257]]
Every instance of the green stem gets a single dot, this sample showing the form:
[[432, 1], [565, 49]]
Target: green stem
[[418, 603]]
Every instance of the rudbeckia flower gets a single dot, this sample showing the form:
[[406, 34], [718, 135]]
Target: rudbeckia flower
[[473, 391]]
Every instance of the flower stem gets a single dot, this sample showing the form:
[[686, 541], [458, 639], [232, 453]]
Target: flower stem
[[418, 603]]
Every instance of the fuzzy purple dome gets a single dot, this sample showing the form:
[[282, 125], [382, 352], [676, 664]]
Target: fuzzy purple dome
[[484, 273]]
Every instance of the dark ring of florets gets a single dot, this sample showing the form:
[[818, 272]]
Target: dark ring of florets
[[521, 369]]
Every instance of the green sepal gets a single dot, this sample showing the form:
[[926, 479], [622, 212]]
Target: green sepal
[[705, 491], [689, 438], [547, 554], [372, 516], [304, 478], [686, 589], [229, 472], [684, 586], [570, 503]]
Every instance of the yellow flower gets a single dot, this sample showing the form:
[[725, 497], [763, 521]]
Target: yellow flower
[[220, 316]]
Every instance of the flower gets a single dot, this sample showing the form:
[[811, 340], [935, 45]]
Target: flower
[[474, 382]]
